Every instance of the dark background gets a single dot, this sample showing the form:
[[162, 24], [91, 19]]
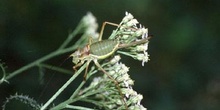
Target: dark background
[[183, 71]]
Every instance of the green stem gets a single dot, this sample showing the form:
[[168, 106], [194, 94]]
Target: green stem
[[69, 101], [55, 68], [71, 36], [35, 63], [126, 53], [53, 54], [43, 59], [4, 73], [82, 83], [78, 107], [57, 52], [97, 103], [62, 88]]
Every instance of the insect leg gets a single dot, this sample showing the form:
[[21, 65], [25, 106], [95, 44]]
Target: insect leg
[[103, 27], [116, 82], [87, 66], [90, 40], [77, 65]]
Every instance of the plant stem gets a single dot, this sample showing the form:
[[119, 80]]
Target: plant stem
[[43, 59], [62, 49], [55, 68], [78, 107], [81, 85], [62, 88], [71, 36], [71, 100], [53, 54], [35, 63]]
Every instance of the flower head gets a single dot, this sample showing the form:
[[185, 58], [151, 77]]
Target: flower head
[[144, 57], [128, 17], [91, 25], [128, 33]]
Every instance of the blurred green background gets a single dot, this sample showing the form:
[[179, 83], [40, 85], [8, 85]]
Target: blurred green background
[[183, 71]]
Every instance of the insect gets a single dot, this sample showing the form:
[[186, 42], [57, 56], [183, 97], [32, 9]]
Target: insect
[[99, 50]]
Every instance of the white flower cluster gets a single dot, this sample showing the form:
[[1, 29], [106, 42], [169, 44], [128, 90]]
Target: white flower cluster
[[133, 35], [129, 26], [113, 100], [91, 25], [119, 71]]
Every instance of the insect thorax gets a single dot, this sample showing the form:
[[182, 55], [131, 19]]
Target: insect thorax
[[80, 54]]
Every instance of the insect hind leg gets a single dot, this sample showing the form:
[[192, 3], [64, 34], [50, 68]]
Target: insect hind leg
[[116, 82], [103, 27]]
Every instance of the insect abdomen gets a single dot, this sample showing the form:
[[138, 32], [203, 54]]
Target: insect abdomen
[[104, 48]]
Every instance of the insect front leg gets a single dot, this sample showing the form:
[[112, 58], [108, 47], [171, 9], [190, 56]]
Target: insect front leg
[[77, 65], [103, 27], [116, 82]]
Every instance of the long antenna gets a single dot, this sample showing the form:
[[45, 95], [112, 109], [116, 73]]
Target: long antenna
[[48, 82]]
